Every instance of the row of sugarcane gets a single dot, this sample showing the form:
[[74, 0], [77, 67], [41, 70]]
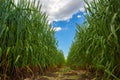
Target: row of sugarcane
[[26, 38], [96, 46]]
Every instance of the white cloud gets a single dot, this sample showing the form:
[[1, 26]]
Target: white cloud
[[61, 9], [57, 29], [79, 16], [82, 9]]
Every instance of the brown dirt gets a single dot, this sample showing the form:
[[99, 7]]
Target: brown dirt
[[64, 73]]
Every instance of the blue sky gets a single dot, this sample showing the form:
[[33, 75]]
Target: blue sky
[[66, 35], [63, 15]]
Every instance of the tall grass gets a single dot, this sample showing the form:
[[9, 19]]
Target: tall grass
[[97, 42], [26, 38]]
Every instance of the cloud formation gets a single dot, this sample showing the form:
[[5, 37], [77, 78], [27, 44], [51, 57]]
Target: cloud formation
[[61, 9], [57, 29], [79, 16]]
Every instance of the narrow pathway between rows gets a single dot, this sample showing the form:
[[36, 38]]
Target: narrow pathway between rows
[[63, 74]]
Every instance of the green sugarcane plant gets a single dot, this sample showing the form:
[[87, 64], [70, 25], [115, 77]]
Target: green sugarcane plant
[[97, 42], [26, 38]]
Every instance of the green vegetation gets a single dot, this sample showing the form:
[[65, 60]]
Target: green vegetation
[[26, 38], [27, 41], [97, 43]]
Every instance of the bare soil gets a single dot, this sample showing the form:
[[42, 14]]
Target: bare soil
[[64, 73]]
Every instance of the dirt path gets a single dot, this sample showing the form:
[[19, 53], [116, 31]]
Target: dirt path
[[63, 74]]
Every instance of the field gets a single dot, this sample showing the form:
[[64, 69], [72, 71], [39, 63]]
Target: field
[[29, 51]]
